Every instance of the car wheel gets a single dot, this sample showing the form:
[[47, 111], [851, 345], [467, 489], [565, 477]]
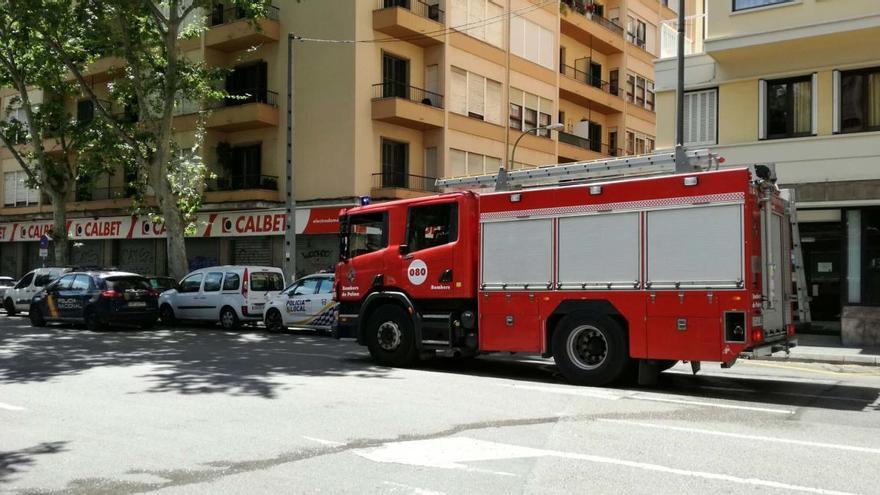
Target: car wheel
[[166, 315], [390, 336], [228, 319], [36, 316], [93, 323], [590, 350], [9, 306], [274, 321]]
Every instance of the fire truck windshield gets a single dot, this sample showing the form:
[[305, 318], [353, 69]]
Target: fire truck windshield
[[362, 234]]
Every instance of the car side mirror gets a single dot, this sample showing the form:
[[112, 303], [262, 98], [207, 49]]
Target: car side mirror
[[403, 248]]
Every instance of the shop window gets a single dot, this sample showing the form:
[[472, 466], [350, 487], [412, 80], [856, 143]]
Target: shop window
[[431, 226]]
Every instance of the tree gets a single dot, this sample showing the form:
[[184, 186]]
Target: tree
[[29, 69], [154, 77]]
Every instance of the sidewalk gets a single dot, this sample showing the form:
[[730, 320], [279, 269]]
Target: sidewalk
[[827, 349]]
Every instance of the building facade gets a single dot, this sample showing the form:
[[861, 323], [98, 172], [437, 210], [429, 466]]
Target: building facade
[[388, 96], [795, 83]]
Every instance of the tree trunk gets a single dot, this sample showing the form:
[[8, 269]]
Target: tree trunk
[[60, 241], [175, 228]]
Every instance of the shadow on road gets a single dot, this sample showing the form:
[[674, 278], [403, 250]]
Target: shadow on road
[[15, 461], [187, 361]]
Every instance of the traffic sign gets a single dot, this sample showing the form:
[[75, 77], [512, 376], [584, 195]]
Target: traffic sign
[[44, 242]]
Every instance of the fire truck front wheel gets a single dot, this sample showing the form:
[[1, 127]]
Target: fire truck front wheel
[[590, 350], [390, 336]]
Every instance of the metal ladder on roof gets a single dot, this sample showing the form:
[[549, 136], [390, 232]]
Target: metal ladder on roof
[[581, 172], [802, 294]]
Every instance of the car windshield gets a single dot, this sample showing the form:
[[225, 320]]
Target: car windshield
[[266, 281], [122, 284], [362, 234]]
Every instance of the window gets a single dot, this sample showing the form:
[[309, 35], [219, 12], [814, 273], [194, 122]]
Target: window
[[305, 287], [527, 111], [638, 143], [649, 98], [191, 283], [630, 87], [25, 281], [16, 191], [395, 164], [395, 76], [127, 283], [245, 168], [65, 282], [467, 163], [431, 226], [788, 107], [630, 142], [363, 234], [248, 84], [85, 111], [45, 279], [213, 282], [858, 101], [532, 42], [326, 286], [475, 96], [636, 32], [231, 281], [475, 17], [267, 281], [700, 117], [614, 81], [81, 282], [640, 90], [751, 4]]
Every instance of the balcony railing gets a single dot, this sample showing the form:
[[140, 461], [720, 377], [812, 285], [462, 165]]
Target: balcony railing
[[245, 96], [589, 144], [242, 182], [104, 193], [404, 181], [222, 15], [594, 12], [391, 89], [417, 7], [590, 79], [693, 36]]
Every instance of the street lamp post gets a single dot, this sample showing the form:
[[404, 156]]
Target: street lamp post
[[501, 183], [290, 198]]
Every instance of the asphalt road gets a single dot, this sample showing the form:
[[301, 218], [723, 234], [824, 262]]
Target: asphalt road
[[199, 410]]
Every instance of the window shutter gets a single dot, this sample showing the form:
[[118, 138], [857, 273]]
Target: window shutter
[[476, 94], [493, 101], [474, 164], [835, 102], [517, 35], [548, 46], [762, 109], [712, 117], [9, 188], [458, 91], [476, 13], [459, 12], [495, 26], [532, 41], [457, 163], [814, 95]]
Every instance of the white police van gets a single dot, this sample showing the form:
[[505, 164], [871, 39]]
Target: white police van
[[231, 295], [18, 297]]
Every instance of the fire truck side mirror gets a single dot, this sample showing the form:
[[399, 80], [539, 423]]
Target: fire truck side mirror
[[403, 248]]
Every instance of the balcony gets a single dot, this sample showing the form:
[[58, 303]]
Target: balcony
[[247, 109], [588, 91], [576, 148], [410, 20], [103, 193], [391, 185], [407, 106], [693, 36], [584, 21], [230, 31], [237, 187]]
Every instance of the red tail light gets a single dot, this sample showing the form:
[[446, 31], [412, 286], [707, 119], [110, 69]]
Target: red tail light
[[244, 284], [111, 294], [757, 335]]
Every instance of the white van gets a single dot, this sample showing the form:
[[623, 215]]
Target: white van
[[229, 294], [18, 297]]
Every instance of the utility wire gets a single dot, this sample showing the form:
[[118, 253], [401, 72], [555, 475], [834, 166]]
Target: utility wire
[[440, 32]]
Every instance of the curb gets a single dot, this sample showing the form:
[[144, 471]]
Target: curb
[[862, 360]]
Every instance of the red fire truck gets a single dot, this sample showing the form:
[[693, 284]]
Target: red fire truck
[[610, 278]]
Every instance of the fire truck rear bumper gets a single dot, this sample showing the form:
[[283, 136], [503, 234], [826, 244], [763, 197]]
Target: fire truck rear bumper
[[770, 348], [346, 326]]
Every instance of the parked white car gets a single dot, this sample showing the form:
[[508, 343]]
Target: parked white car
[[307, 303], [18, 297], [231, 295], [5, 283]]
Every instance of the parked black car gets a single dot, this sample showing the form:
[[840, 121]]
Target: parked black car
[[97, 298]]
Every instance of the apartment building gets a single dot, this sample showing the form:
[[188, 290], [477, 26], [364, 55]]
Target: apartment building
[[389, 95], [796, 83]]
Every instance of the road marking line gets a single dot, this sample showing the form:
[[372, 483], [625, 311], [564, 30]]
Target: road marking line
[[414, 489], [329, 443], [9, 407], [453, 452], [580, 391], [711, 404], [741, 435]]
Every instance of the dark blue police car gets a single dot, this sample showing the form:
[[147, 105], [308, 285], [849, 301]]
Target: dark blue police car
[[97, 298]]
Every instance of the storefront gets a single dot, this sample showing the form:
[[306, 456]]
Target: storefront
[[137, 244]]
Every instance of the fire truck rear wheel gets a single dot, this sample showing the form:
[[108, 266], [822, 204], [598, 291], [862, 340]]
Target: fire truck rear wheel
[[390, 336], [590, 350]]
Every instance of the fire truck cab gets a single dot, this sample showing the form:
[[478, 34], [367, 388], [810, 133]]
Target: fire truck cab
[[609, 278]]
